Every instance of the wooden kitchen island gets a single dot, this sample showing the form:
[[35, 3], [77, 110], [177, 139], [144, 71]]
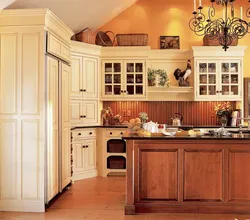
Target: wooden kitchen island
[[188, 174]]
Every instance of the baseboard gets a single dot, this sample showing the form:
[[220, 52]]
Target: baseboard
[[22, 205], [84, 175]]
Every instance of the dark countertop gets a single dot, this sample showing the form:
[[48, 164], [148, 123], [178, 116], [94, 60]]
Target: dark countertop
[[205, 137], [100, 126]]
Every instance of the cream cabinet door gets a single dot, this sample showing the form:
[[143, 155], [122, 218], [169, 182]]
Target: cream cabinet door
[[65, 126], [52, 120], [90, 80], [89, 112], [76, 87], [90, 154], [79, 156], [76, 112]]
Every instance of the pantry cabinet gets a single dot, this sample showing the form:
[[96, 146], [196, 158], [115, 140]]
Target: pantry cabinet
[[218, 74], [123, 79]]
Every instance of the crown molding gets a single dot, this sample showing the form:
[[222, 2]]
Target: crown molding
[[34, 17], [84, 48]]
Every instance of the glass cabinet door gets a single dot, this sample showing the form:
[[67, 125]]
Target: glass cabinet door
[[112, 78], [134, 78], [229, 79], [207, 78]]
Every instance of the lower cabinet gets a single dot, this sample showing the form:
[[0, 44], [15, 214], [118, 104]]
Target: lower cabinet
[[84, 112], [84, 154]]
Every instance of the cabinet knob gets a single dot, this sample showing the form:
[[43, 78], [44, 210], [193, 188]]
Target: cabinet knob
[[90, 133], [84, 90], [79, 133], [110, 132], [83, 146], [121, 133], [86, 146], [81, 116], [84, 116], [121, 91], [81, 90], [124, 91]]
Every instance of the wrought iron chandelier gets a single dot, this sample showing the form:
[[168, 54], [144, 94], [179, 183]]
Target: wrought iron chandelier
[[223, 29]]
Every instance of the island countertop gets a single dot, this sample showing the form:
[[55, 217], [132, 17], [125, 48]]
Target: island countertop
[[188, 174]]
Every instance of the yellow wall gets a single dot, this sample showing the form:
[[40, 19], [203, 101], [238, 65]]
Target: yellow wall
[[169, 17]]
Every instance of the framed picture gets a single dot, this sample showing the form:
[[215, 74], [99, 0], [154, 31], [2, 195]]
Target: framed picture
[[169, 42]]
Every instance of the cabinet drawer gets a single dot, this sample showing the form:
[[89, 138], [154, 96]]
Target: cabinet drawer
[[85, 133], [56, 47], [115, 132]]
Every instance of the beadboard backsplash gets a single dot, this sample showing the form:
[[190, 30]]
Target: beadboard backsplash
[[194, 113]]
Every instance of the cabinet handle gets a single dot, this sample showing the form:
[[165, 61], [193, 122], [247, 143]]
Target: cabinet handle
[[87, 146], [110, 132], [84, 116], [220, 91], [124, 91], [121, 91], [79, 133], [90, 133], [83, 146], [121, 133], [84, 90]]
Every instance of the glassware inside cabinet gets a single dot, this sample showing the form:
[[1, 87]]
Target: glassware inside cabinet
[[139, 67], [234, 67], [203, 90], [225, 79], [108, 78], [139, 78], [117, 89], [108, 90], [212, 90], [130, 78], [234, 78], [203, 79], [130, 67], [225, 67], [225, 90], [203, 67], [212, 67], [130, 90], [108, 67], [212, 79], [234, 90], [117, 67], [117, 78]]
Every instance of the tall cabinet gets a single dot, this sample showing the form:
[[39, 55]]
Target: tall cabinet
[[84, 84], [34, 87]]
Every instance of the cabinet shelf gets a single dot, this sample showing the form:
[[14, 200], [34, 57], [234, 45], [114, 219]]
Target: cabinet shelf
[[173, 93]]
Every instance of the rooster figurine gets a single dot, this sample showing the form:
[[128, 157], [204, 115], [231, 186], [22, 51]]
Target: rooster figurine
[[183, 76]]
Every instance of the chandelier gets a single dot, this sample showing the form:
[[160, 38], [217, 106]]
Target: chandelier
[[224, 29]]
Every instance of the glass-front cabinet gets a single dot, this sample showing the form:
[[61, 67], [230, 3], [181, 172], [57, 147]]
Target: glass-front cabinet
[[218, 80], [123, 79]]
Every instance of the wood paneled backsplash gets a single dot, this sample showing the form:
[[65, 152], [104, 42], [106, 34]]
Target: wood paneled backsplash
[[194, 113]]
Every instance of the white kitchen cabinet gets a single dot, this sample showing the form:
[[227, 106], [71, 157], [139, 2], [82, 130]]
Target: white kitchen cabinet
[[30, 129], [84, 112], [84, 153], [84, 82], [219, 80], [123, 79], [218, 74]]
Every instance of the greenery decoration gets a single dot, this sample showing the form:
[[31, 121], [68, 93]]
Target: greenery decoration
[[152, 73]]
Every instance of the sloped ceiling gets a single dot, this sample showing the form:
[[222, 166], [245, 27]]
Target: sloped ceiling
[[78, 14], [5, 3]]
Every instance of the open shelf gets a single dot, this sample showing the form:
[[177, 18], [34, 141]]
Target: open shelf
[[173, 93]]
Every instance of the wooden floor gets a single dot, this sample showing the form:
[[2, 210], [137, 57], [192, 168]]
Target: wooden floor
[[102, 199]]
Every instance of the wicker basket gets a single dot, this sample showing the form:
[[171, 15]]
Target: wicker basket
[[103, 39], [116, 146], [207, 41], [132, 39], [117, 163], [86, 36]]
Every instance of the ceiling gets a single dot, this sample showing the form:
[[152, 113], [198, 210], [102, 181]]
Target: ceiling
[[77, 14]]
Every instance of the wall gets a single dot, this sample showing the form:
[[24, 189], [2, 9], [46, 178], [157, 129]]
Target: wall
[[169, 17], [194, 113]]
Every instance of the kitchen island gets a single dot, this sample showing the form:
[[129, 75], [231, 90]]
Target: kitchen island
[[207, 174]]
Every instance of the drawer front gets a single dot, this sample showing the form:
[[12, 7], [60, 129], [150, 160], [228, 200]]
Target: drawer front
[[59, 49], [115, 132], [84, 133]]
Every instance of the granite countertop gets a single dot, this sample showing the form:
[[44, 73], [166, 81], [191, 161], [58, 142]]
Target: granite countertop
[[100, 126], [128, 136]]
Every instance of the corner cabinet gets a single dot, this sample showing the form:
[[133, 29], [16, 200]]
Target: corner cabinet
[[123, 79], [218, 74]]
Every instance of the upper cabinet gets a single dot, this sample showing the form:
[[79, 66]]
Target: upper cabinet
[[218, 74], [123, 79], [84, 82]]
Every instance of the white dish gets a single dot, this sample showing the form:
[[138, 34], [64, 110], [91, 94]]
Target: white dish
[[169, 133]]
